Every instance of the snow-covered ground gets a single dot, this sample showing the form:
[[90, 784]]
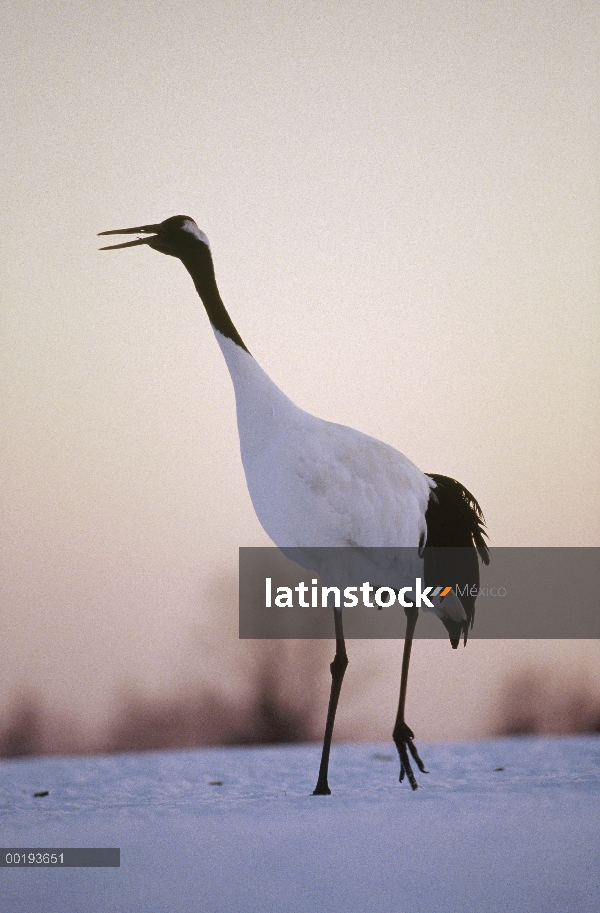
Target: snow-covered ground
[[237, 830]]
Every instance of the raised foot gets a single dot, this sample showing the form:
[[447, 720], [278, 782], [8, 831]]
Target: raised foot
[[403, 738]]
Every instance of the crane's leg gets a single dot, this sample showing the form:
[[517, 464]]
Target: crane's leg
[[403, 736], [338, 668]]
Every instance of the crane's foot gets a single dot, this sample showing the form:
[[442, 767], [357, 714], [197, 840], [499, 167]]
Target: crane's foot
[[403, 738], [321, 789]]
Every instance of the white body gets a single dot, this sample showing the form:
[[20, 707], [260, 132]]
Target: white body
[[315, 484]]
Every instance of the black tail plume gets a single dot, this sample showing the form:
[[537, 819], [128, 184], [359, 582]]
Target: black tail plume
[[455, 539]]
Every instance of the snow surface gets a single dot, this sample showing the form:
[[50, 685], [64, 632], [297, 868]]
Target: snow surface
[[473, 838]]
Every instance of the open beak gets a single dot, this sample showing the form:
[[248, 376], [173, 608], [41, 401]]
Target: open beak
[[140, 230]]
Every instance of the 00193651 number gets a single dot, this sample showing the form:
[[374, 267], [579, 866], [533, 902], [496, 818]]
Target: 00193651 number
[[34, 859]]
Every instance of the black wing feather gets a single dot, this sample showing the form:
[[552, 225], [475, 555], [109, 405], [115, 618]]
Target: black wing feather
[[455, 539]]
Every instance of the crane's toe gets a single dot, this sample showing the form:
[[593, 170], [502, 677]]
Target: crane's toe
[[403, 738]]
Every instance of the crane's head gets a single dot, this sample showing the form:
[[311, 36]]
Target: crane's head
[[175, 236]]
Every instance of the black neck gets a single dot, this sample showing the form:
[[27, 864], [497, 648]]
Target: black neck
[[199, 264]]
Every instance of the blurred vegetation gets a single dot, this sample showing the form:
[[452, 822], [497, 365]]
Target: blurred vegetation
[[283, 700], [538, 702], [278, 705]]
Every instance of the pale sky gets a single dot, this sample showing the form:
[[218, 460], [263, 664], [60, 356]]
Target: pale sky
[[402, 203]]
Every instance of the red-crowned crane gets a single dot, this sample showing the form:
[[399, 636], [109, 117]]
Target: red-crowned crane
[[317, 484]]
